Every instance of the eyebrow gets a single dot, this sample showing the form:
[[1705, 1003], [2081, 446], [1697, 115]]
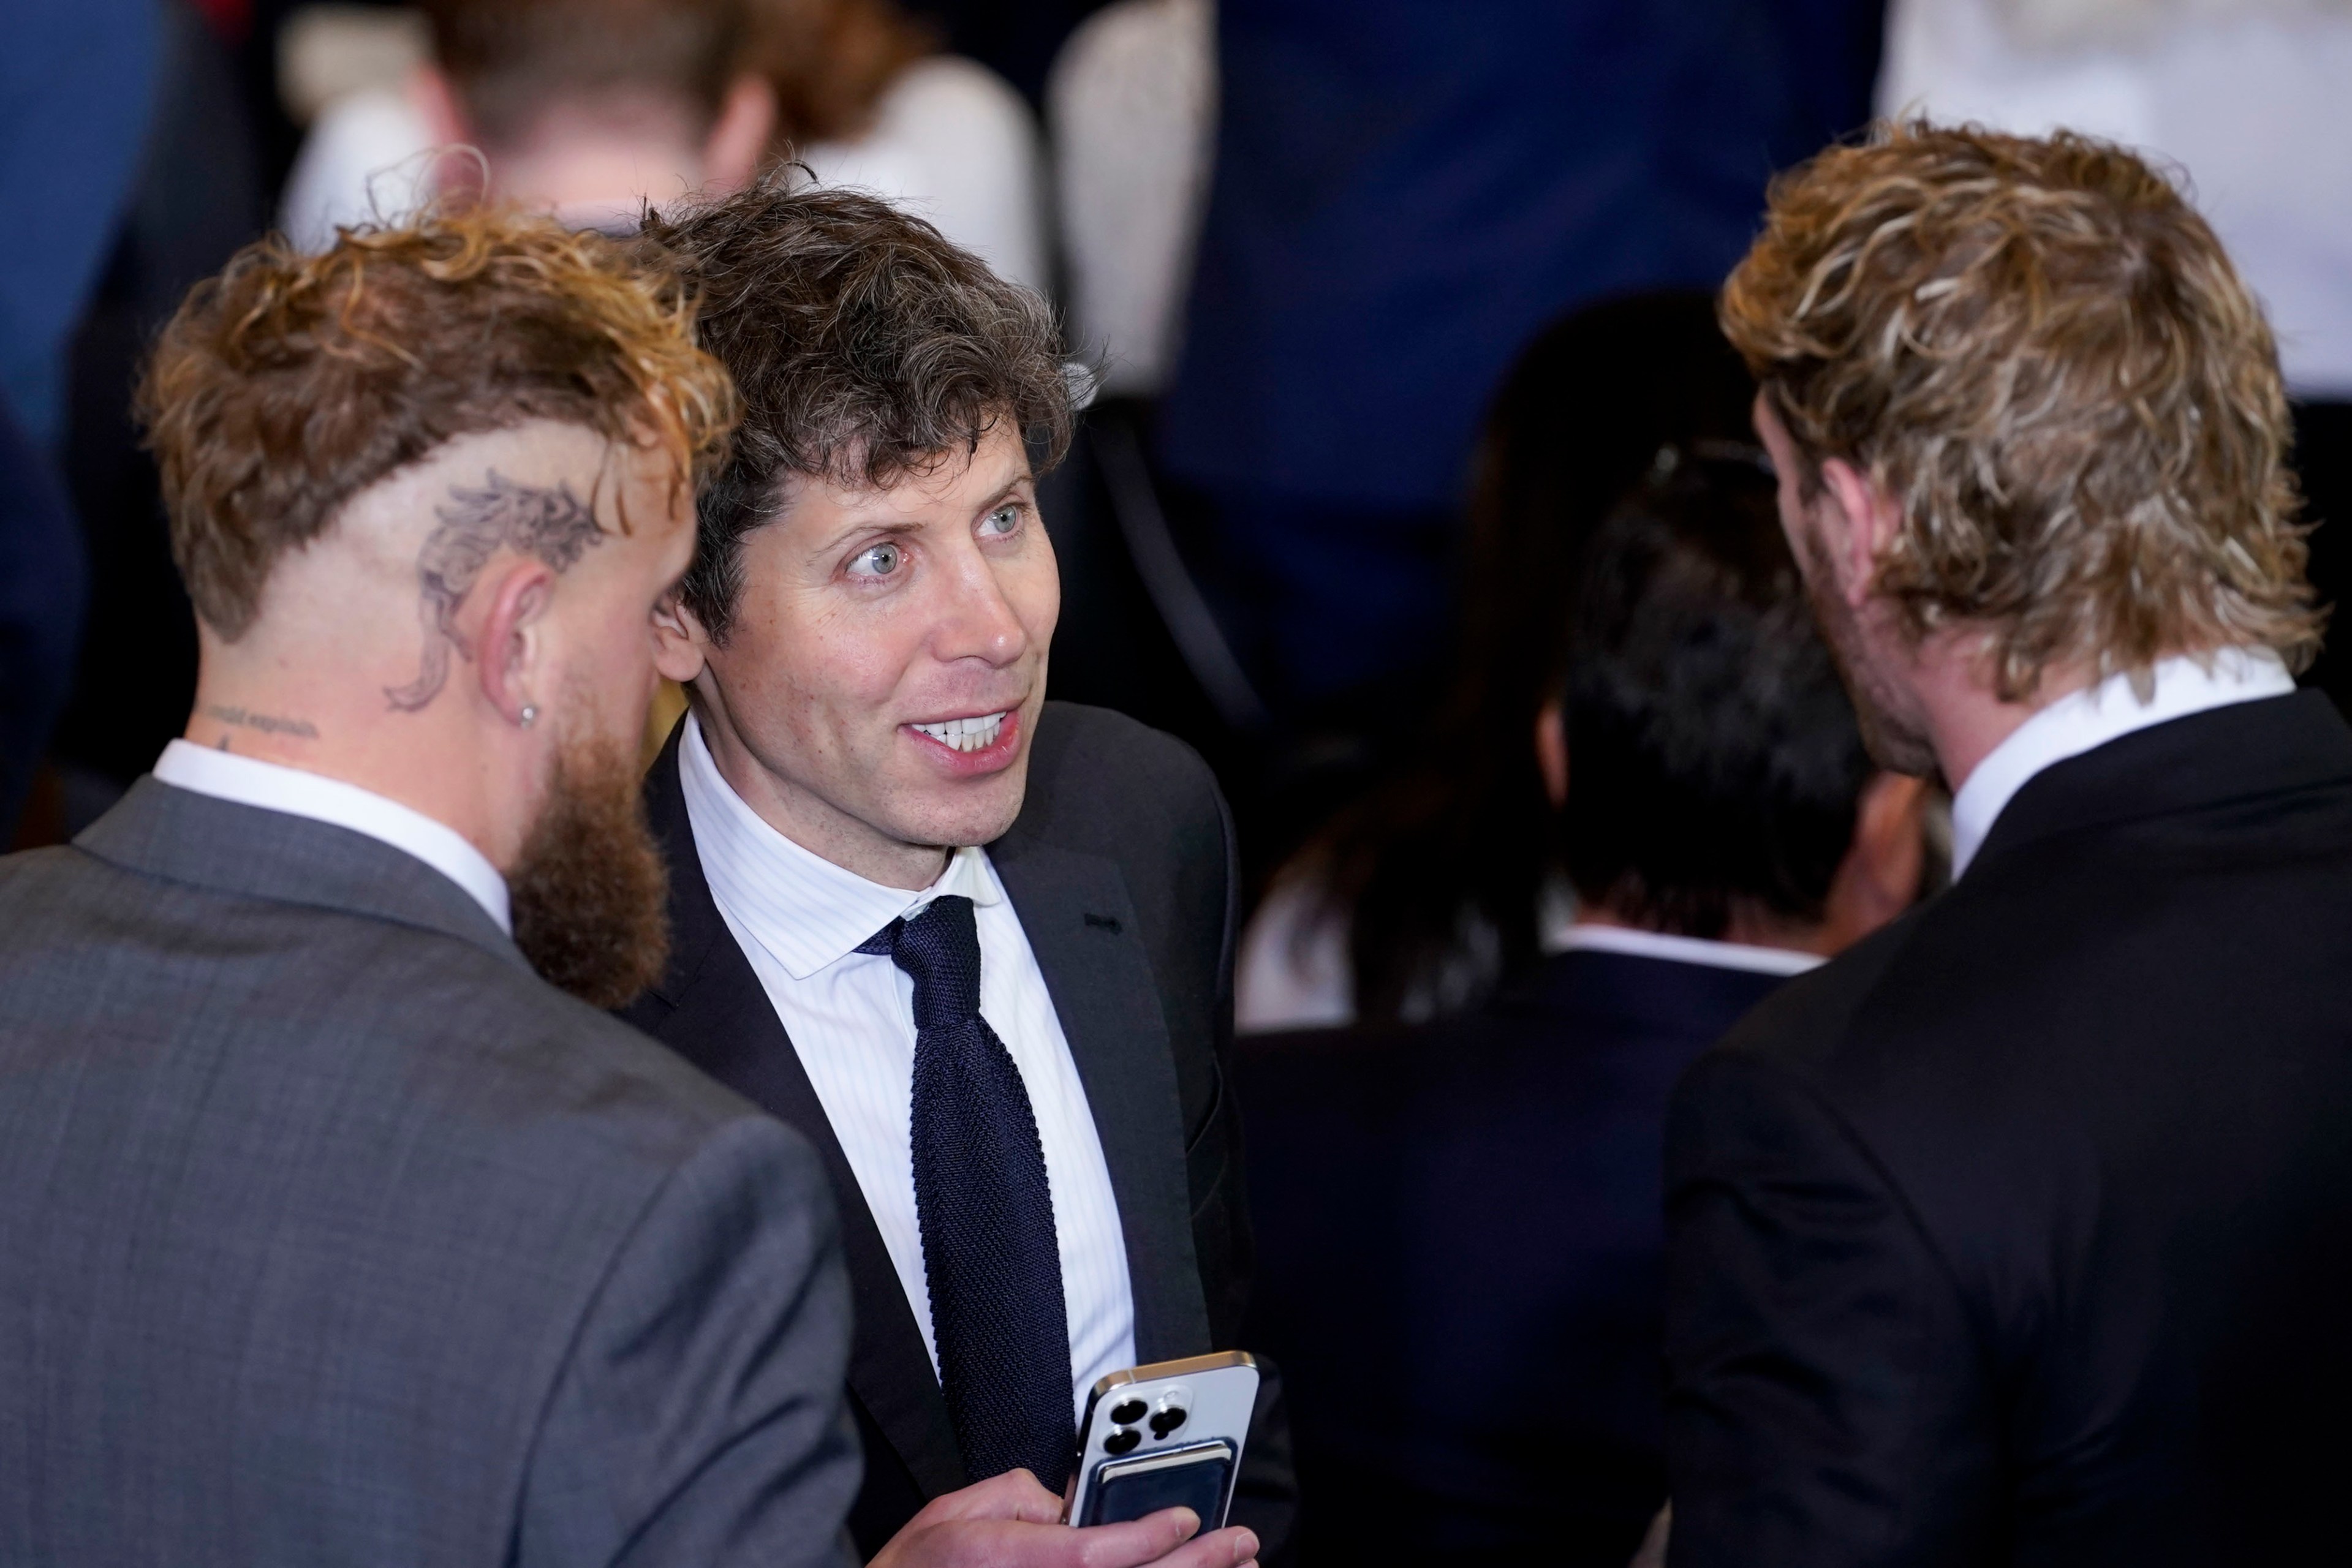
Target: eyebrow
[[907, 525]]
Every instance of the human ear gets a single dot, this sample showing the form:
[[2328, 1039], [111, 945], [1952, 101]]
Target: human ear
[[1552, 752], [511, 653], [1880, 876], [680, 640], [739, 138], [1862, 527]]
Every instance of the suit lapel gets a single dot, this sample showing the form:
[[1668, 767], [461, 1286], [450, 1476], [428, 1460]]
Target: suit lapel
[[1076, 912], [711, 1010]]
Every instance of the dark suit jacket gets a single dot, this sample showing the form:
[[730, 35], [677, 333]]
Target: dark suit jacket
[[2022, 1233], [330, 1235], [1121, 866], [1464, 1253]]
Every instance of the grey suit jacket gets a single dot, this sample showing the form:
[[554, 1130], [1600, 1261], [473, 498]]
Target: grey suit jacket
[[330, 1234]]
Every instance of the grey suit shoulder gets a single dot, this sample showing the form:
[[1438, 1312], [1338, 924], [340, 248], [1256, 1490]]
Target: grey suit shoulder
[[333, 1234]]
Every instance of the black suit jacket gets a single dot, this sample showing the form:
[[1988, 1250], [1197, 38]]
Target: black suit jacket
[[2022, 1233], [1121, 866], [1464, 1262]]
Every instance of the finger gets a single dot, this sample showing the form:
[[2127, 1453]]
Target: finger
[[1015, 1494], [1231, 1548], [1132, 1543], [1034, 1504]]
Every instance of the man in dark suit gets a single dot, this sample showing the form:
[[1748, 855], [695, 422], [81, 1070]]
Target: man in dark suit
[[2023, 1232], [1463, 1244], [977, 948]]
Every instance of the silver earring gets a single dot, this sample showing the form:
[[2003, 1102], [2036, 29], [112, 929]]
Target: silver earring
[[528, 717]]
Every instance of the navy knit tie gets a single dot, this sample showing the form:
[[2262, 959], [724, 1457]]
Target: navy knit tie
[[986, 1212]]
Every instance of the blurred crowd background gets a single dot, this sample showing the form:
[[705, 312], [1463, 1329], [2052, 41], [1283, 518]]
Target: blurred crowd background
[[1381, 305]]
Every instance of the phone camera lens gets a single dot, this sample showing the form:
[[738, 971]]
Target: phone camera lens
[[1126, 1412], [1166, 1421], [1123, 1440]]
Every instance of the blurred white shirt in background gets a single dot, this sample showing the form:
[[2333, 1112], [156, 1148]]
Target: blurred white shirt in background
[[952, 141], [1132, 107], [2247, 96]]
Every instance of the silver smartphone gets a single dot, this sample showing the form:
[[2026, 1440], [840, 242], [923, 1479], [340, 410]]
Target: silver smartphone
[[1165, 1435]]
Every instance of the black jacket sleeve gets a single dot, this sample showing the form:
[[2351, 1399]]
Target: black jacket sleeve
[[1827, 1404]]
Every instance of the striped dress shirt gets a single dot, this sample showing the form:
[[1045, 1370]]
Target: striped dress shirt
[[799, 919]]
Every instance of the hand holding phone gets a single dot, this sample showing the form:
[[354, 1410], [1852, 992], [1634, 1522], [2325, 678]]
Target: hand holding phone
[[1165, 1436], [1010, 1521]]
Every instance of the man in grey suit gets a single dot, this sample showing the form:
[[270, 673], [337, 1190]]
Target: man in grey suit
[[329, 1233]]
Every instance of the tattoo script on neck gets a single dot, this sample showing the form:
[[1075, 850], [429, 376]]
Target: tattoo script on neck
[[553, 525], [266, 723]]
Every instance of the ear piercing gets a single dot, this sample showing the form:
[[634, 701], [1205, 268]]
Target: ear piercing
[[528, 717]]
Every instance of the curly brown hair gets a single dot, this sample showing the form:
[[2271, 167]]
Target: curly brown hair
[[289, 383], [866, 346], [2041, 351]]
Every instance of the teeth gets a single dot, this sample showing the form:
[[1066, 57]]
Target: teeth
[[966, 734]]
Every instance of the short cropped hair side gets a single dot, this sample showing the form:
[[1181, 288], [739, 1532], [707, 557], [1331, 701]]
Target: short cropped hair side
[[1715, 765], [2043, 353], [289, 384], [512, 60], [866, 348]]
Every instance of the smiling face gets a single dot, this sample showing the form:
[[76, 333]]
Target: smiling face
[[880, 684]]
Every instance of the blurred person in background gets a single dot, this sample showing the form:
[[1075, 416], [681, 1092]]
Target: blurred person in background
[[2021, 1233], [1481, 1196], [590, 108], [1400, 909], [76, 95], [198, 193], [2246, 97], [1404, 193], [868, 101], [1131, 104], [581, 108]]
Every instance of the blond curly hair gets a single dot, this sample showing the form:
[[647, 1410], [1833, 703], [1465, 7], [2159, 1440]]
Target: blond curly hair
[[289, 383], [2041, 353]]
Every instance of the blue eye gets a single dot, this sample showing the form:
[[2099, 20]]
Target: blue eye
[[1002, 521], [877, 560]]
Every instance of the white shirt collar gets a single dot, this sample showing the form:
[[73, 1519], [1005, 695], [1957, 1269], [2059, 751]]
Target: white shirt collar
[[806, 911], [274, 787], [1684, 949], [2184, 684]]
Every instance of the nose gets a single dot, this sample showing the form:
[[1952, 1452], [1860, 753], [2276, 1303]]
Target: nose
[[980, 622]]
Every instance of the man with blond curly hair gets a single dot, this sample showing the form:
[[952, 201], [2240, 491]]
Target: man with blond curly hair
[[2022, 1233]]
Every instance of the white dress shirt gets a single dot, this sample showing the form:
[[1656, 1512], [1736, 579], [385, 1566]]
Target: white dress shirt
[[2096, 715], [273, 786], [1684, 950], [799, 919]]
